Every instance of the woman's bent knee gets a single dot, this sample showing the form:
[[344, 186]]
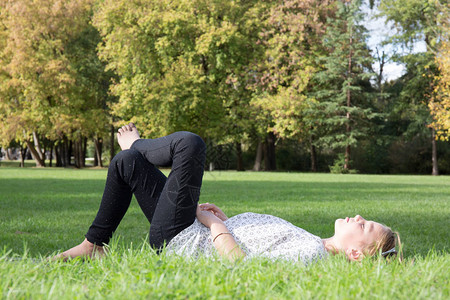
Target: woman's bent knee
[[128, 155], [193, 142]]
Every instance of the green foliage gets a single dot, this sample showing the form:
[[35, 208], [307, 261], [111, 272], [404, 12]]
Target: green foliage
[[440, 102], [54, 85], [291, 38], [417, 20], [191, 73], [339, 166], [340, 110], [417, 84], [232, 71]]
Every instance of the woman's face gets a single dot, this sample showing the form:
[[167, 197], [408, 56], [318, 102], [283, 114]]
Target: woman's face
[[357, 233]]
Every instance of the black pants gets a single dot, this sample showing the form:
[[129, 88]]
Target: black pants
[[169, 203]]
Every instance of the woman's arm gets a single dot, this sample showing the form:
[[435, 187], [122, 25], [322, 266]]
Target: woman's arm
[[223, 240]]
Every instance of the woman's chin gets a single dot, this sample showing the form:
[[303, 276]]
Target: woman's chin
[[337, 224]]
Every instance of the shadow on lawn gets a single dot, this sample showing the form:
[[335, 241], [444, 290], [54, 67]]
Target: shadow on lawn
[[418, 211]]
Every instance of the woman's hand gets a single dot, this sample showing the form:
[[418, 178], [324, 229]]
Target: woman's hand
[[207, 217], [214, 209], [212, 217]]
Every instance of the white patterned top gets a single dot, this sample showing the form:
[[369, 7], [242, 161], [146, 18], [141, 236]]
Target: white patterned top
[[258, 235]]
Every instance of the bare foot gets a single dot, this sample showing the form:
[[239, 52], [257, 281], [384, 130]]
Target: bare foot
[[127, 135], [86, 249]]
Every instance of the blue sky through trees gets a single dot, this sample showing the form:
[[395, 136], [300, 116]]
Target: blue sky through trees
[[379, 31]]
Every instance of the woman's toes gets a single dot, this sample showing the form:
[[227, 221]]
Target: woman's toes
[[132, 126]]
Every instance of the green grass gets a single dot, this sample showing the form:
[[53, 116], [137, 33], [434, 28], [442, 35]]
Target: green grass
[[43, 211], [16, 163]]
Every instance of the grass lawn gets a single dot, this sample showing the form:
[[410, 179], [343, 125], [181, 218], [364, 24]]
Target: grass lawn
[[43, 211]]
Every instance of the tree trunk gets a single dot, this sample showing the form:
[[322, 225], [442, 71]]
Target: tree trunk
[[9, 154], [313, 156], [240, 163], [100, 152], [62, 154], [381, 63], [347, 158], [70, 152], [259, 155], [83, 156], [28, 154], [35, 154], [111, 144], [79, 152], [22, 156], [44, 151], [269, 153], [98, 144], [75, 153], [349, 97], [65, 153], [37, 146], [435, 170], [51, 154], [58, 154], [95, 155]]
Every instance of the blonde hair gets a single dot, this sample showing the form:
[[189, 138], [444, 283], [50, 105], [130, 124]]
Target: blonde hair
[[387, 241]]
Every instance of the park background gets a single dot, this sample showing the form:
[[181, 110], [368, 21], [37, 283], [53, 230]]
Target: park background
[[269, 85]]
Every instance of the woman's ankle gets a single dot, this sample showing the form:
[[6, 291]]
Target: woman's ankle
[[88, 245]]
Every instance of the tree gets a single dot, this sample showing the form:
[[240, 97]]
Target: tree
[[182, 66], [90, 99], [440, 102], [340, 108], [54, 87], [419, 21], [31, 63], [290, 37]]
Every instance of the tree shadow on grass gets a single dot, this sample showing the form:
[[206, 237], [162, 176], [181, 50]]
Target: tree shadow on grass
[[53, 214]]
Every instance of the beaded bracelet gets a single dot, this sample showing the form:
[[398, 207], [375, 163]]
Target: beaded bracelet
[[220, 235]]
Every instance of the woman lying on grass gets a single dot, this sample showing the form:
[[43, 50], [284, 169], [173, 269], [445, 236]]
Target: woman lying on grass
[[178, 221]]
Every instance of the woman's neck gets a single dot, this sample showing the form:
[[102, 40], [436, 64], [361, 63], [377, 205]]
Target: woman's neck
[[330, 245]]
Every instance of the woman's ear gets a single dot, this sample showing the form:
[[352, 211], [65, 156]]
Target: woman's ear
[[354, 254]]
